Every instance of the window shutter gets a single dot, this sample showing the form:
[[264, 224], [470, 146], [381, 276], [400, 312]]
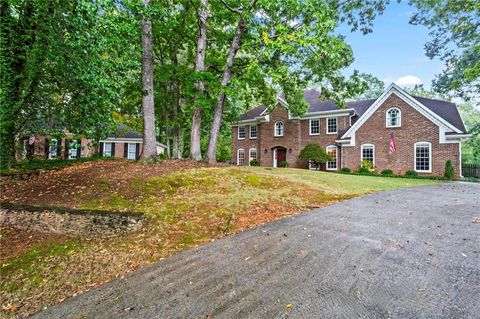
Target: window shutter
[[79, 149], [113, 149], [67, 148], [125, 150], [137, 151], [46, 145], [100, 149], [59, 148]]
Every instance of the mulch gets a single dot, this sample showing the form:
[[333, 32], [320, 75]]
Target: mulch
[[65, 186]]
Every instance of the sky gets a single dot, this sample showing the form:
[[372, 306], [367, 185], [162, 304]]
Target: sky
[[394, 52]]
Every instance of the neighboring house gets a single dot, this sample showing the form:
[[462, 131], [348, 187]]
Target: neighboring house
[[427, 133], [124, 143]]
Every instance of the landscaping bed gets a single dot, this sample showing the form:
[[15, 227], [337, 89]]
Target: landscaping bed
[[185, 204]]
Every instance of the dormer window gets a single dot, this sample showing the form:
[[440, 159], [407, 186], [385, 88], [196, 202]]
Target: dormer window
[[278, 129], [394, 117]]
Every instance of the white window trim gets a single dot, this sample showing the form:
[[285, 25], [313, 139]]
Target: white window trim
[[238, 156], [250, 155], [336, 125], [238, 133], [111, 148], [310, 127], [336, 158], [429, 157], [128, 151], [399, 117], [275, 129], [250, 132], [361, 152]]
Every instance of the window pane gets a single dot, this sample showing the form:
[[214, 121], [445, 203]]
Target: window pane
[[332, 125], [367, 153], [53, 149], [279, 129], [241, 157], [107, 149], [332, 151], [422, 157], [132, 151], [314, 126], [241, 132], [253, 131]]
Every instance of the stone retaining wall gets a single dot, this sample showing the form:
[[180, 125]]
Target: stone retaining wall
[[90, 223]]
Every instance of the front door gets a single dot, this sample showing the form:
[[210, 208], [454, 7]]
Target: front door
[[279, 156]]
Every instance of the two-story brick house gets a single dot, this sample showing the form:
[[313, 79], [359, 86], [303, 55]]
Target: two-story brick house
[[427, 133]]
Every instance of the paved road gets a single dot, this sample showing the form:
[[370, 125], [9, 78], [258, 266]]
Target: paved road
[[410, 253]]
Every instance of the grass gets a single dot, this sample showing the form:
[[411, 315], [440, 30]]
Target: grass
[[183, 209]]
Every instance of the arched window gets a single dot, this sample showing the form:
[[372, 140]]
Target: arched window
[[241, 156], [332, 151], [252, 155], [278, 129], [423, 157], [394, 117], [368, 153]]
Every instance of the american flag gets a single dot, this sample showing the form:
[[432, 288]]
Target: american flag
[[393, 144]]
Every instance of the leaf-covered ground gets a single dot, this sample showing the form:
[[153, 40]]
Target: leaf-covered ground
[[186, 204]]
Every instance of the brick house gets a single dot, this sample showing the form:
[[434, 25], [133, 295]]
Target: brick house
[[123, 143], [427, 133]]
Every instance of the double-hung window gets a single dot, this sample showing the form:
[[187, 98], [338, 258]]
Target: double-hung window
[[315, 127], [332, 151], [241, 157], [253, 131], [73, 149], [107, 149], [423, 157], [368, 153], [241, 132], [331, 125], [252, 156], [132, 151], [53, 148]]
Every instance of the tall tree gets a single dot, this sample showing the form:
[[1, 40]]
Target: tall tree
[[375, 87], [196, 131], [455, 29], [149, 134], [289, 44], [63, 64]]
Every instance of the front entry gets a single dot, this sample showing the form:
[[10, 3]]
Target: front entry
[[279, 156]]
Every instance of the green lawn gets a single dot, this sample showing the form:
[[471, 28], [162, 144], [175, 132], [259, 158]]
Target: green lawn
[[183, 209]]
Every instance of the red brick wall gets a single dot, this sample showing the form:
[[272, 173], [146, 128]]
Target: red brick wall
[[414, 128], [295, 138]]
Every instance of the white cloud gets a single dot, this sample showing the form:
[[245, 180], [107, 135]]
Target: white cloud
[[408, 80]]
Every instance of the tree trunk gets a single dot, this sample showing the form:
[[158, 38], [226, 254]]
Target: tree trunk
[[167, 131], [195, 152], [176, 103], [149, 136], [227, 74]]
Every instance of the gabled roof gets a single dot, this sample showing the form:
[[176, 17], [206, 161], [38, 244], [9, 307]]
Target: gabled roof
[[253, 113], [447, 111]]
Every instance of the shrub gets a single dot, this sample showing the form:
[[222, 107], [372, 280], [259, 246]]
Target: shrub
[[159, 158], [363, 170], [283, 164], [345, 170], [367, 164], [411, 173], [314, 153], [449, 170], [254, 163], [387, 172]]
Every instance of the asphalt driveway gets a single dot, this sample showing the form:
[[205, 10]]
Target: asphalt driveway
[[410, 253]]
